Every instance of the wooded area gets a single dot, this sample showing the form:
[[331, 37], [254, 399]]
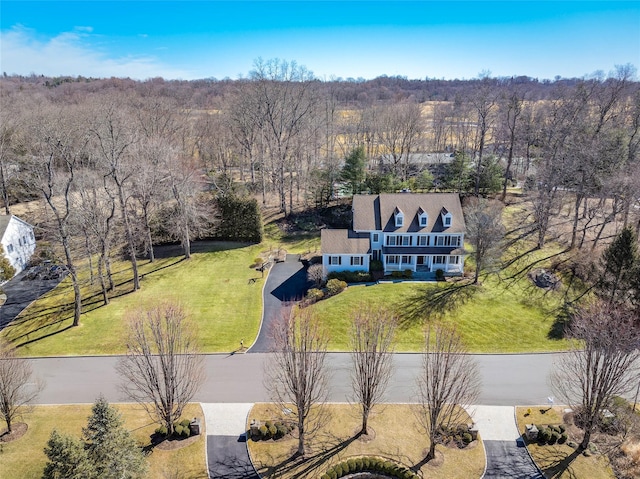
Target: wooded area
[[122, 165]]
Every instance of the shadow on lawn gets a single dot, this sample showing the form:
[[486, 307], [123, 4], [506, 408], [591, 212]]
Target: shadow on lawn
[[435, 300], [558, 463], [314, 464]]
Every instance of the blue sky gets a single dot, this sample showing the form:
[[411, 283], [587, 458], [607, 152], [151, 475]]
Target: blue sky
[[416, 39]]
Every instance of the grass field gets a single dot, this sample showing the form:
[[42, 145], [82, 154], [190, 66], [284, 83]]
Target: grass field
[[555, 461], [494, 318], [397, 437], [24, 458]]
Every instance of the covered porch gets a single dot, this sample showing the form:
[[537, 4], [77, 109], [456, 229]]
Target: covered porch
[[422, 263]]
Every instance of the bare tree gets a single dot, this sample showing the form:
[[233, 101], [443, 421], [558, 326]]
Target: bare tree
[[448, 382], [297, 377], [485, 232], [399, 130], [163, 368], [58, 147], [17, 385], [603, 362], [372, 334]]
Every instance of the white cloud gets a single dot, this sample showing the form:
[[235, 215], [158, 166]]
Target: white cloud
[[70, 53]]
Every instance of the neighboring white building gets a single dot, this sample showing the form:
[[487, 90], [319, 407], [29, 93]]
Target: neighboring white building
[[418, 232], [17, 240]]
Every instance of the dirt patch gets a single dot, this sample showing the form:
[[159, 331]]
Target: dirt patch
[[173, 444], [19, 430]]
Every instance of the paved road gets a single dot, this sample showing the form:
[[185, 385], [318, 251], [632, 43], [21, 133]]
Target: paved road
[[287, 281], [507, 380]]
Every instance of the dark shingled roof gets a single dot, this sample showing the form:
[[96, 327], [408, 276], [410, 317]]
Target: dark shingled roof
[[375, 212], [343, 242]]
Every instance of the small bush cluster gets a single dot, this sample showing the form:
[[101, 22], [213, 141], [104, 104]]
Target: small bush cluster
[[369, 464], [335, 286], [439, 275], [351, 276], [406, 274], [272, 430], [551, 434], [459, 435], [314, 294], [181, 428], [376, 265]]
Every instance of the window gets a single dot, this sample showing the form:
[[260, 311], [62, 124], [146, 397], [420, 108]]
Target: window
[[406, 240], [440, 241], [24, 240], [335, 260], [454, 259], [391, 240], [423, 241], [439, 259], [356, 261], [31, 234], [393, 259], [20, 241], [447, 220], [9, 248], [376, 237], [423, 219], [399, 219], [406, 259]]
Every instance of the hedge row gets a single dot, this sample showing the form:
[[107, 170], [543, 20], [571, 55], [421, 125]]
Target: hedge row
[[351, 276], [551, 435], [369, 464], [271, 430]]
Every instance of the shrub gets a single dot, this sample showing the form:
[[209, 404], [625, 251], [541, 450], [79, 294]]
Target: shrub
[[563, 438], [264, 431], [351, 276], [185, 423], [467, 438], [554, 438], [562, 428], [335, 286], [315, 294], [178, 430], [352, 465], [396, 274], [268, 424], [162, 430], [439, 275], [273, 430], [281, 431], [338, 470], [332, 474], [407, 273], [186, 432], [376, 265]]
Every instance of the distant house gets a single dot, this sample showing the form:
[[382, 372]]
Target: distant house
[[418, 232], [17, 240]]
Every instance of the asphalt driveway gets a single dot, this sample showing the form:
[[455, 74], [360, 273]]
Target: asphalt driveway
[[21, 293], [287, 282]]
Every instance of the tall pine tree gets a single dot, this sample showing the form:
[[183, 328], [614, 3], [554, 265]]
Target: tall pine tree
[[620, 268]]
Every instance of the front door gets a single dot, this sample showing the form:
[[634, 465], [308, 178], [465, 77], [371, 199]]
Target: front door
[[420, 260]]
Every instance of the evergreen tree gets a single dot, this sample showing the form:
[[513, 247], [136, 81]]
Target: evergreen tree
[[378, 183], [458, 173], [240, 219], [6, 270], [68, 458], [106, 451], [620, 264], [353, 171], [110, 447], [491, 176]]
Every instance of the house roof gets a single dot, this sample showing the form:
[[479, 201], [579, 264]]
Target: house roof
[[343, 242], [375, 212], [6, 219]]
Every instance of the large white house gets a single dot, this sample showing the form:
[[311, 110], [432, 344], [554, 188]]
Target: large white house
[[17, 240], [405, 231]]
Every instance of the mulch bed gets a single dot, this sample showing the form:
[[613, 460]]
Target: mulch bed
[[19, 430], [173, 444]]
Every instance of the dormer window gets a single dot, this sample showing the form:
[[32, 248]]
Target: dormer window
[[422, 218], [399, 217], [446, 218]]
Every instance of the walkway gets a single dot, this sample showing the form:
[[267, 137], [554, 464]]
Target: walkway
[[507, 457], [287, 282], [227, 453]]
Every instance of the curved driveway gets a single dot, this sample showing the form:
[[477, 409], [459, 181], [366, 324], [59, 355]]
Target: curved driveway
[[286, 282]]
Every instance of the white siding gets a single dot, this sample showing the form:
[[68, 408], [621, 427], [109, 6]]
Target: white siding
[[18, 243], [345, 263]]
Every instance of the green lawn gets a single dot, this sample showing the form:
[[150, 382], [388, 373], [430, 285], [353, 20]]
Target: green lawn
[[215, 286], [494, 319], [24, 458]]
